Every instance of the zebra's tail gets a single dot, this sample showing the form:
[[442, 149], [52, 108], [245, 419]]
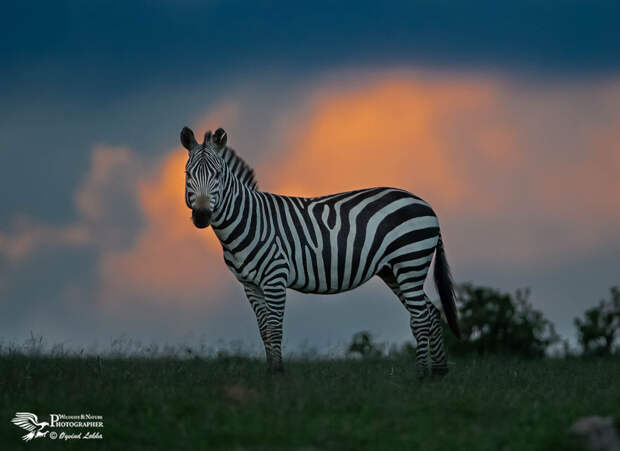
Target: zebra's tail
[[443, 280]]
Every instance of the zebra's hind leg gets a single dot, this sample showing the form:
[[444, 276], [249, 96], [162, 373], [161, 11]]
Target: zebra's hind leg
[[439, 363], [412, 297], [420, 323]]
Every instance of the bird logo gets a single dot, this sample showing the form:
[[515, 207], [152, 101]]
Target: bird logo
[[29, 422]]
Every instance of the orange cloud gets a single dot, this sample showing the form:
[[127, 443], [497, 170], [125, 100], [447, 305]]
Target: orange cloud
[[402, 131], [386, 133]]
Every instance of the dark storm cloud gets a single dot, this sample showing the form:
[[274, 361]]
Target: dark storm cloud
[[101, 43]]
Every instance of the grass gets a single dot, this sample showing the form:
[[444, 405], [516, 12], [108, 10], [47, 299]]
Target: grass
[[379, 404]]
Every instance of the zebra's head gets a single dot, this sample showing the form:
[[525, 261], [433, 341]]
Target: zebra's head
[[203, 173]]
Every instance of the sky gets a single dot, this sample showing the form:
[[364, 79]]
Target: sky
[[504, 116]]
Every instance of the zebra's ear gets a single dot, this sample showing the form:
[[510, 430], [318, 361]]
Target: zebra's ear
[[207, 137], [220, 138], [187, 138]]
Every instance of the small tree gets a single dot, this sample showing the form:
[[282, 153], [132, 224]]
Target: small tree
[[598, 330], [493, 322]]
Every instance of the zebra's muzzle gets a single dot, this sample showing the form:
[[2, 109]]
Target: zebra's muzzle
[[201, 217]]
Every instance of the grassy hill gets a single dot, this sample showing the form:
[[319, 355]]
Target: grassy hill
[[231, 403]]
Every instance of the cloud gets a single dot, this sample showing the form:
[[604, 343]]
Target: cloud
[[385, 132], [110, 169], [104, 201], [28, 237]]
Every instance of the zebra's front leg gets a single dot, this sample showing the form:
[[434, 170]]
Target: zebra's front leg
[[439, 363], [275, 298], [257, 301]]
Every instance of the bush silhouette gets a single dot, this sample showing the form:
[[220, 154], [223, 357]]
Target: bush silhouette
[[598, 330], [493, 322]]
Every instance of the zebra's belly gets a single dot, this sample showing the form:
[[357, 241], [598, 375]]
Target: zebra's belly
[[324, 278], [324, 289]]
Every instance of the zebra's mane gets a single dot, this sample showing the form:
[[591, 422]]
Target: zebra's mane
[[239, 168]]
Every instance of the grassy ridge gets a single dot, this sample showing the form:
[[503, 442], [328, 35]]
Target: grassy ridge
[[231, 403]]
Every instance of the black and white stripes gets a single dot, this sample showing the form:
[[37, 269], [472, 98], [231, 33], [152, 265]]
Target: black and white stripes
[[321, 245]]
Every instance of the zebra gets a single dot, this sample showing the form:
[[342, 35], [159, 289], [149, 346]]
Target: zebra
[[322, 245]]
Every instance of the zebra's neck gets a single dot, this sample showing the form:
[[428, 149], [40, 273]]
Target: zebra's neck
[[238, 203]]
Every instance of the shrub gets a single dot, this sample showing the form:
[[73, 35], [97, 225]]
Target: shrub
[[600, 327], [493, 322]]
